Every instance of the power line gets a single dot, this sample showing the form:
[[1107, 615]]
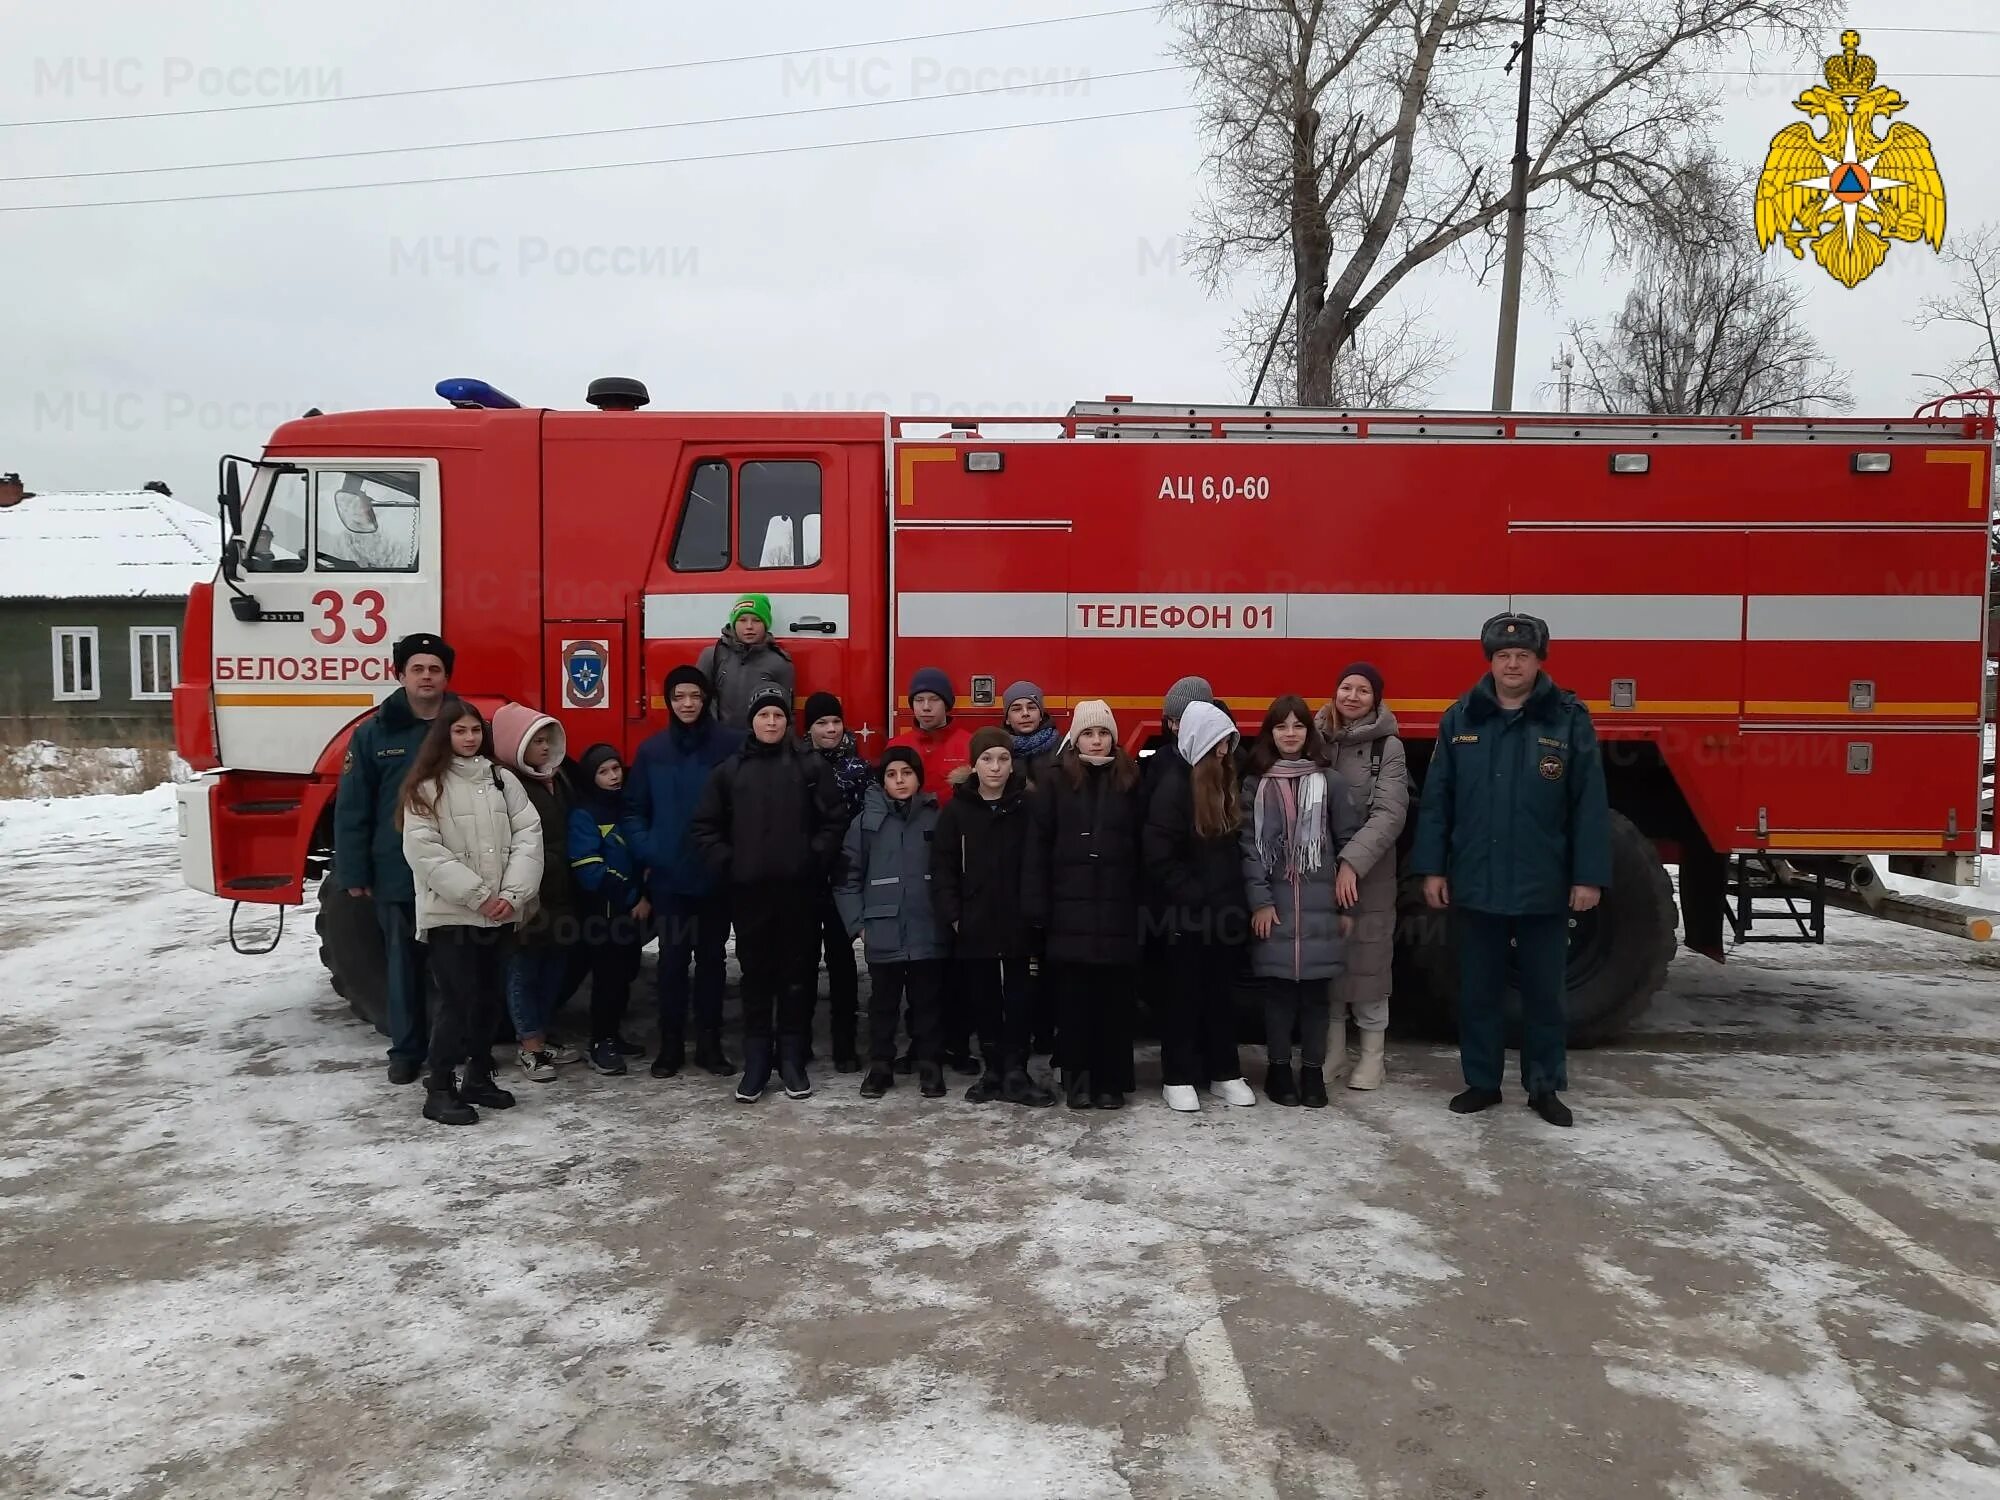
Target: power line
[[509, 83], [604, 166], [565, 135]]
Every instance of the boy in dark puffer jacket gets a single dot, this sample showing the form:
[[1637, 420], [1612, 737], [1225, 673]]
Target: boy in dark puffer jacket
[[826, 735], [770, 824], [612, 910]]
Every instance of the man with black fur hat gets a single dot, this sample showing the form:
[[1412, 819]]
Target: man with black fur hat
[[661, 793], [1513, 834], [368, 846]]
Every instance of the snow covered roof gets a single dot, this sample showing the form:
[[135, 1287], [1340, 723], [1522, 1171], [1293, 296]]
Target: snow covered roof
[[134, 545]]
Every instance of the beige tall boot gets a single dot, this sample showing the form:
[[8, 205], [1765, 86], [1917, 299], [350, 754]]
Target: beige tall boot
[[1368, 1072]]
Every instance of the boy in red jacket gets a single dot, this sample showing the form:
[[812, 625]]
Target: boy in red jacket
[[941, 745]]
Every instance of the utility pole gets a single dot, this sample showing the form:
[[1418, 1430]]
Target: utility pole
[[1564, 364], [1517, 219]]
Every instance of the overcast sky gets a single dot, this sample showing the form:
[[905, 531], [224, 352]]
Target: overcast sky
[[1016, 271]]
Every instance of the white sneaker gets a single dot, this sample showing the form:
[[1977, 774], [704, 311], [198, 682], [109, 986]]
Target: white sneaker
[[537, 1065], [1182, 1097], [560, 1053], [1237, 1092]]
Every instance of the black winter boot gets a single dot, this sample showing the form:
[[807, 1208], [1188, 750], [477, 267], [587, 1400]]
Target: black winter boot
[[708, 1054], [931, 1078], [1472, 1101], [1278, 1085], [1019, 1087], [1077, 1085], [441, 1101], [988, 1088], [1550, 1107], [792, 1068], [881, 1078], [1312, 1087], [671, 1057], [478, 1088], [907, 1063], [756, 1070]]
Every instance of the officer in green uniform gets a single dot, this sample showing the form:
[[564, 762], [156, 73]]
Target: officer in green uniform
[[368, 846], [1513, 834]]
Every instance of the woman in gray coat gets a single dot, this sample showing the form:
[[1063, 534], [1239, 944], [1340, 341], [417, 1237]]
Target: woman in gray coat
[[1296, 821], [1360, 731]]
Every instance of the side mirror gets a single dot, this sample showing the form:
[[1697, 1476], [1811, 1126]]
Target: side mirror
[[231, 498], [356, 512]]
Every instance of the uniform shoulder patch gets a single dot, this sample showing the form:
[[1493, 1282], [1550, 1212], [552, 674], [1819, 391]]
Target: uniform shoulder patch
[[1551, 768]]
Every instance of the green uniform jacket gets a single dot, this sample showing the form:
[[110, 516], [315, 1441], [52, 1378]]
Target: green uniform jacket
[[367, 844], [1513, 808]]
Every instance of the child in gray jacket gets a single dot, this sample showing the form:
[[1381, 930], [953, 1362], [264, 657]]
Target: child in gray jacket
[[884, 894]]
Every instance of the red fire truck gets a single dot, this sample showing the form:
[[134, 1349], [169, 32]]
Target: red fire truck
[[1780, 624]]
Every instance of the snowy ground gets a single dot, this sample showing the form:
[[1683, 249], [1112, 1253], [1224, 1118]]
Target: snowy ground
[[235, 1263]]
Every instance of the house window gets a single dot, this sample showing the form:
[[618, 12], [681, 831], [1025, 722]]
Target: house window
[[75, 663], [153, 663]]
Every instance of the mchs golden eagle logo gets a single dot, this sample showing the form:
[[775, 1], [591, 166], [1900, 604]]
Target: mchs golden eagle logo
[[1849, 191]]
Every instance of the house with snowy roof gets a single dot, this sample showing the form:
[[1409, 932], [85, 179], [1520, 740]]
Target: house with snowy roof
[[92, 591]]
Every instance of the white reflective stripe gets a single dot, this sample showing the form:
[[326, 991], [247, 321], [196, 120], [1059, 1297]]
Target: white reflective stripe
[[700, 616], [996, 616], [1637, 617], [1390, 617], [1867, 617]]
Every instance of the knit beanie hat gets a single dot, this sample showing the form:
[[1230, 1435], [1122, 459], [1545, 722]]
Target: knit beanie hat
[[1514, 629], [769, 695], [1181, 694], [1016, 691], [685, 675], [933, 680], [1364, 669], [751, 604], [907, 755], [594, 759], [820, 706], [1203, 727], [992, 737], [422, 643], [1092, 713]]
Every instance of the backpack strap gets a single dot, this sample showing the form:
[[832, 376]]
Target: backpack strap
[[1375, 759]]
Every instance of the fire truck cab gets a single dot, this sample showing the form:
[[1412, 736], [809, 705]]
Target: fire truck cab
[[1780, 624]]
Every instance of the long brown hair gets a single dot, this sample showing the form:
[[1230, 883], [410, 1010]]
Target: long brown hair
[[434, 756], [1124, 769], [1217, 809], [1264, 753]]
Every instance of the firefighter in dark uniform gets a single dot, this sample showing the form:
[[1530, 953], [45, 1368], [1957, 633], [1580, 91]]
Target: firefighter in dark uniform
[[1513, 834]]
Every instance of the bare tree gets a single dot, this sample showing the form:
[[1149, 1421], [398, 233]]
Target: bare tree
[[1972, 305], [1352, 142], [1708, 329], [1395, 361]]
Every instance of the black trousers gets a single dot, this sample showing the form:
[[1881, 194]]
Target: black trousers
[[999, 994], [777, 946], [472, 989], [919, 981], [843, 979], [1198, 1014], [610, 949], [690, 928], [1301, 1007], [1094, 1024], [1540, 946]]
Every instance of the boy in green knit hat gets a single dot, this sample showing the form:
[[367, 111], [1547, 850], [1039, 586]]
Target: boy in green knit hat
[[744, 659]]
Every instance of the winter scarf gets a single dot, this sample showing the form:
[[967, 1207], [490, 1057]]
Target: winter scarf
[[850, 770], [1029, 746], [1291, 818]]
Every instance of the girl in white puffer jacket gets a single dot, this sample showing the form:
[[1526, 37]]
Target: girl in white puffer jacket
[[474, 844]]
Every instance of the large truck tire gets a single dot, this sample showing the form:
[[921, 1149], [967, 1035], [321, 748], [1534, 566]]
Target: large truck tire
[[1618, 954], [350, 945]]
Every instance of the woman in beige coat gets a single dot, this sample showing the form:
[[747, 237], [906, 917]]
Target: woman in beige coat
[[474, 844], [1368, 759]]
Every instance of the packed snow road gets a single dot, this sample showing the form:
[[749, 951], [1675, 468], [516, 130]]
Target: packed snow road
[[234, 1261]]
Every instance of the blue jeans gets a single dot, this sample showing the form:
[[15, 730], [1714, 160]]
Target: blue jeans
[[535, 979], [403, 955]]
